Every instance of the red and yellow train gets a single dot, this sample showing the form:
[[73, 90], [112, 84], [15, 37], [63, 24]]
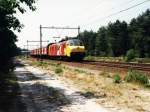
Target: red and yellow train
[[68, 48]]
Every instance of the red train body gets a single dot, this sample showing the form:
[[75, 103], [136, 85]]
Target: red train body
[[72, 48]]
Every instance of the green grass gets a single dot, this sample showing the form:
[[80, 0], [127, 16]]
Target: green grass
[[79, 71], [117, 78], [90, 58], [97, 58], [135, 76], [116, 59], [58, 70]]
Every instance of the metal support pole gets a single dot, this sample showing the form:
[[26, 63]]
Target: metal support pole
[[78, 31], [27, 48], [73, 28], [52, 28], [41, 41], [24, 50]]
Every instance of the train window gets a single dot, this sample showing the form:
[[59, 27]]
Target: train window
[[74, 42]]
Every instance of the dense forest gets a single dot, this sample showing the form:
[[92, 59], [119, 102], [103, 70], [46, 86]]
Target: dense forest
[[119, 38]]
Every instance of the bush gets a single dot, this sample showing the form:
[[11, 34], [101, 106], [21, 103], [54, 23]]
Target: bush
[[117, 78], [130, 55], [58, 70], [130, 76], [135, 76]]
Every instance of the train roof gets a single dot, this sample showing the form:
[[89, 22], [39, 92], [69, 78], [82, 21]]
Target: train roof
[[65, 39], [68, 38]]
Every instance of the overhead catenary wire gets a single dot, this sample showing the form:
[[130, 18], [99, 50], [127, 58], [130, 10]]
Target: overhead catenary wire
[[125, 3], [90, 9], [116, 13], [90, 16]]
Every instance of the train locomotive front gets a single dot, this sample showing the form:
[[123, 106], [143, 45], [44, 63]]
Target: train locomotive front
[[75, 49]]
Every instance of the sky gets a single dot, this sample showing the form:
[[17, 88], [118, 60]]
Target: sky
[[88, 14]]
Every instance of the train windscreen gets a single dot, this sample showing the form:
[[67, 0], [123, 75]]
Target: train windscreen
[[75, 42]]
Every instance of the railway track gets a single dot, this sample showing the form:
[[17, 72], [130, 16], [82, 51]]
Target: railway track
[[136, 66], [115, 66], [122, 67]]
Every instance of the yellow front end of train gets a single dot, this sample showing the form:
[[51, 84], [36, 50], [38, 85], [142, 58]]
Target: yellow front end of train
[[75, 49]]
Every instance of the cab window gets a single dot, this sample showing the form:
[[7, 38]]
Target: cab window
[[74, 42]]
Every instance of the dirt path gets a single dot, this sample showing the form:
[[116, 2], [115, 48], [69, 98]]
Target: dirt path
[[46, 93]]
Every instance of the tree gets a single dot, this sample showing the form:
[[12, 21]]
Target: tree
[[101, 43], [119, 37], [139, 30], [8, 24], [88, 39], [119, 41]]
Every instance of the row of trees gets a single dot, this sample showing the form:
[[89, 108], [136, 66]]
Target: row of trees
[[118, 38], [8, 24]]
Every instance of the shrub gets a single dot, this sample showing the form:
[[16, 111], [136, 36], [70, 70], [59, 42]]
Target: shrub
[[58, 70], [130, 55], [130, 76], [135, 76], [117, 78], [142, 78]]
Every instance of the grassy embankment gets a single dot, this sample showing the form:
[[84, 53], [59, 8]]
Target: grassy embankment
[[106, 87]]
